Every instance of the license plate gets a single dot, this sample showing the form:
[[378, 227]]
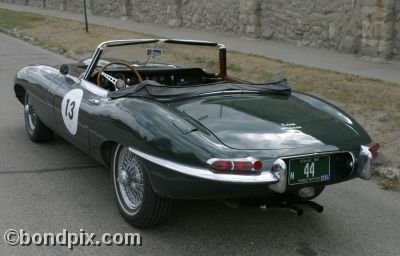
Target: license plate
[[309, 170]]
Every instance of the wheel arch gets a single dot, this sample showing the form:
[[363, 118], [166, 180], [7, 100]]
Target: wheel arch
[[19, 92], [106, 150]]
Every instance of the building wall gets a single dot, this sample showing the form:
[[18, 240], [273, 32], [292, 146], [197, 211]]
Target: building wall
[[366, 27]]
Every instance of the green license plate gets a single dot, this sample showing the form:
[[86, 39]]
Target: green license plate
[[309, 170]]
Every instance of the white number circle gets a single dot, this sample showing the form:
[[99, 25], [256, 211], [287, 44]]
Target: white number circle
[[70, 109]]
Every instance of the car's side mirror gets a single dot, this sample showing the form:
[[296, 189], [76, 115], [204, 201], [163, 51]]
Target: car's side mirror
[[64, 69]]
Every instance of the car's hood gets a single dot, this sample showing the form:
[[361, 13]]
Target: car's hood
[[271, 121]]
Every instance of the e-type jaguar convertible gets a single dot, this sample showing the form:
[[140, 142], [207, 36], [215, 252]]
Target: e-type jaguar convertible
[[170, 122]]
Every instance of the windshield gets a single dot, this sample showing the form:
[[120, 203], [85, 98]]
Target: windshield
[[164, 55]]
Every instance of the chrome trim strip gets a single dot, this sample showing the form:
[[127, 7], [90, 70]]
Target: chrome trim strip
[[264, 177], [93, 63], [113, 43], [229, 92]]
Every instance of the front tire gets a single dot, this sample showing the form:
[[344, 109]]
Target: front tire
[[37, 131], [137, 202]]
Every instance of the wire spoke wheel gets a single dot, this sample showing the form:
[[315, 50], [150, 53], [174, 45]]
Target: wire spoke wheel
[[137, 201], [130, 179], [37, 131], [30, 114]]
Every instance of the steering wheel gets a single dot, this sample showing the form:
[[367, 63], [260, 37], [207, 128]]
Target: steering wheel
[[117, 82]]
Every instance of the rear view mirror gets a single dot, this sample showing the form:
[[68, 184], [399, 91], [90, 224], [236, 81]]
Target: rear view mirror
[[64, 69]]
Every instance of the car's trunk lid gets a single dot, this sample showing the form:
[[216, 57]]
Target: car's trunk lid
[[266, 121]]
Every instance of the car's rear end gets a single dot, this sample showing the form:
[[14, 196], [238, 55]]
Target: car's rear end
[[265, 144]]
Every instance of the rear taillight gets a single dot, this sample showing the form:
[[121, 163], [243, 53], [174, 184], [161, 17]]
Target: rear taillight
[[374, 149], [222, 165], [235, 165], [257, 165], [242, 166]]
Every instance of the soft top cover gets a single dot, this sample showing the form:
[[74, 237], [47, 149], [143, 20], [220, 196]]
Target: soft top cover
[[154, 90]]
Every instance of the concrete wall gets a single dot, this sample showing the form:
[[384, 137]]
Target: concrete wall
[[367, 27]]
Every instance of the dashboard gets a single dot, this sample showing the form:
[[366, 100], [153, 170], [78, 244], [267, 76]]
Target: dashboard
[[169, 77]]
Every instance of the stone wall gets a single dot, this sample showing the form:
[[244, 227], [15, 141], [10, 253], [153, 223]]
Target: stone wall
[[65, 5], [37, 3], [24, 2], [366, 27], [149, 11], [323, 24], [396, 45], [111, 8], [378, 28], [211, 15]]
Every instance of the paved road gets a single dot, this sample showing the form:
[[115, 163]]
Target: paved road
[[320, 58], [48, 187]]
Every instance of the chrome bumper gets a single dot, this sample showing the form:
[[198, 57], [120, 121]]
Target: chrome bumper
[[265, 177], [364, 169], [276, 178]]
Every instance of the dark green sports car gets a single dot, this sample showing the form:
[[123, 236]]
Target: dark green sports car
[[170, 122]]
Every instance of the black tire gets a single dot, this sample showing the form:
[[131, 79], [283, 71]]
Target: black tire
[[37, 131], [137, 202]]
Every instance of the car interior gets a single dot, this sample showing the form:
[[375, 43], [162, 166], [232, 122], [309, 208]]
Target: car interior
[[164, 76]]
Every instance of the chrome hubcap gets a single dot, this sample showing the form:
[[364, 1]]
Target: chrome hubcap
[[130, 179], [123, 178]]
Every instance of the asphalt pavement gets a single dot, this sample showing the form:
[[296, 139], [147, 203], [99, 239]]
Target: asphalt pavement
[[53, 186], [312, 57]]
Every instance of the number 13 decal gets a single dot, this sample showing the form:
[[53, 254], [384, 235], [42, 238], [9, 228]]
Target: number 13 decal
[[71, 106], [70, 109]]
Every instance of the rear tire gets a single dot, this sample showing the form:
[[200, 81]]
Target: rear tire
[[37, 131], [137, 202]]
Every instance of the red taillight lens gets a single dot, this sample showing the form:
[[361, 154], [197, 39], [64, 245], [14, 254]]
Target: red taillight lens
[[242, 166], [238, 164], [257, 165], [374, 149], [222, 165]]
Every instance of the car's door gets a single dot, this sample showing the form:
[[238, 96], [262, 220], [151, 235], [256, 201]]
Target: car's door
[[72, 104]]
